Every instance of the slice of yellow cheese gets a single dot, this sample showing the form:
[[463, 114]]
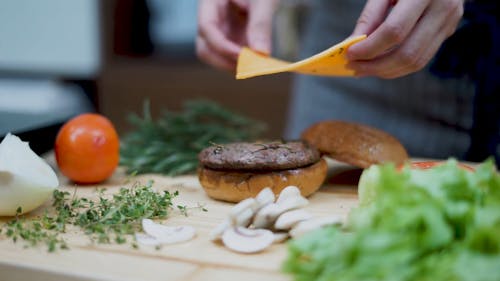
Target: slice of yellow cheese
[[330, 62]]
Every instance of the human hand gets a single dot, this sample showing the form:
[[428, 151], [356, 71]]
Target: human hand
[[403, 35], [225, 26]]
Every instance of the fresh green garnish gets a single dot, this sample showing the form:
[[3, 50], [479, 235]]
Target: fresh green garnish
[[437, 224], [170, 145], [105, 220], [34, 232]]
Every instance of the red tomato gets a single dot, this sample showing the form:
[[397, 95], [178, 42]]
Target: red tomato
[[424, 165], [87, 148]]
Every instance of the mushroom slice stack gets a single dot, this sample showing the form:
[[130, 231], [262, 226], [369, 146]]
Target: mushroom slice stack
[[242, 213], [254, 224], [266, 216]]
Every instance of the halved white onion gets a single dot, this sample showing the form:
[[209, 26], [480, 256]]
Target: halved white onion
[[26, 180]]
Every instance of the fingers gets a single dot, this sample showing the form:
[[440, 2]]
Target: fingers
[[372, 16], [224, 26], [400, 63], [455, 9], [437, 23], [210, 22], [208, 55], [212, 44], [242, 4], [392, 32], [260, 24]]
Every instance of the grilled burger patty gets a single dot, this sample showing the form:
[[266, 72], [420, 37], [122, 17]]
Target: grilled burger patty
[[259, 156]]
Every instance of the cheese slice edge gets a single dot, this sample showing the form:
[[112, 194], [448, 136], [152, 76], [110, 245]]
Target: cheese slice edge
[[330, 62]]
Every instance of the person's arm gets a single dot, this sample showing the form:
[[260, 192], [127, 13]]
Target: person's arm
[[403, 35], [225, 26]]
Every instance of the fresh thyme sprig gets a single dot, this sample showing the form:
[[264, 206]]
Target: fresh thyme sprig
[[184, 209], [170, 145], [34, 232], [105, 220]]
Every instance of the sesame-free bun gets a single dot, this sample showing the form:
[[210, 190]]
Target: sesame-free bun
[[236, 185], [355, 144]]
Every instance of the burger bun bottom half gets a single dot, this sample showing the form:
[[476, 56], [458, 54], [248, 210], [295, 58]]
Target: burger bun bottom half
[[234, 186]]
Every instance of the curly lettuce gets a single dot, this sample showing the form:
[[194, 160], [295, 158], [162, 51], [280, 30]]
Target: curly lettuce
[[436, 224]]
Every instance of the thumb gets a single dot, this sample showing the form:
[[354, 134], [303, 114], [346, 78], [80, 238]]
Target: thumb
[[260, 20], [373, 14]]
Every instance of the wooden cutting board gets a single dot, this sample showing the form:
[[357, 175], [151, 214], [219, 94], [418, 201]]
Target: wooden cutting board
[[198, 259]]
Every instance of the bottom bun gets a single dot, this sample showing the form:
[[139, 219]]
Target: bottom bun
[[234, 186]]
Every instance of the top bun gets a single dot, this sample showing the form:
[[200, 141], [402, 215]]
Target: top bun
[[355, 144]]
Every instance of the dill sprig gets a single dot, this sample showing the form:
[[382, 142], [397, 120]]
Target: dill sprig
[[105, 220], [170, 145]]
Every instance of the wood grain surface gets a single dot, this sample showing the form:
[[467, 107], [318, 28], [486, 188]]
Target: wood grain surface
[[198, 259]]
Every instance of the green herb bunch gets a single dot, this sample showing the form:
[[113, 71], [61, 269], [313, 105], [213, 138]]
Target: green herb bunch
[[170, 145], [105, 220]]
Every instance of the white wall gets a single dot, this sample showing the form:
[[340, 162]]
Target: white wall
[[50, 37]]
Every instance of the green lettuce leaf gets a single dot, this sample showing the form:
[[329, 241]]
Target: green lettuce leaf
[[436, 224]]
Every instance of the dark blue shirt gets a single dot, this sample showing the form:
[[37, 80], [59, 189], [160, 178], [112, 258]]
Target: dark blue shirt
[[474, 52]]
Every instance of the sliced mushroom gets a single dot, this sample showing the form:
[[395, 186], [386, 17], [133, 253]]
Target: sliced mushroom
[[287, 192], [242, 213], [268, 215], [244, 218], [306, 226], [242, 206], [264, 198], [168, 234], [244, 240], [292, 203], [288, 219], [217, 232]]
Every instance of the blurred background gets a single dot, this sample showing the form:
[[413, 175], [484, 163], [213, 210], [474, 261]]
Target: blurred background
[[59, 58]]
